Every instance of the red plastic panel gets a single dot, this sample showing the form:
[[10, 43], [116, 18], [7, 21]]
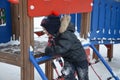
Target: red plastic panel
[[45, 7]]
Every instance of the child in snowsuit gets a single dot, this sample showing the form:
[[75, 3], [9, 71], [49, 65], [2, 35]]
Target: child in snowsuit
[[66, 45]]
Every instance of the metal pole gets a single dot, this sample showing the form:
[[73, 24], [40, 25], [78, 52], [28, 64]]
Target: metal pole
[[104, 62], [34, 62]]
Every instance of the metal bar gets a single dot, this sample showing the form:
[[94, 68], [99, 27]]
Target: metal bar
[[104, 62], [34, 62], [40, 59]]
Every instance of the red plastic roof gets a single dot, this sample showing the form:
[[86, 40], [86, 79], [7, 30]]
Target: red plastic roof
[[46, 7]]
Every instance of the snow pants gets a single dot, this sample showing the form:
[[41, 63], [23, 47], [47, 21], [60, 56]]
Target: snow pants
[[81, 69]]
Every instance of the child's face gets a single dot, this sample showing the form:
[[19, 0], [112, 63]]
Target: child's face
[[46, 32]]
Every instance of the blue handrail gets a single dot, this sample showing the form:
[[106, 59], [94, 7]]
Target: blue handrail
[[35, 62]]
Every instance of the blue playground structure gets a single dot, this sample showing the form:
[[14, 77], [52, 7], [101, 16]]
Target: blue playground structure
[[105, 22], [104, 29], [5, 21]]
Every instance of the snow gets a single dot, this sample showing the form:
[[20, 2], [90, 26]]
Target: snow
[[16, 42], [114, 64], [3, 24], [11, 72]]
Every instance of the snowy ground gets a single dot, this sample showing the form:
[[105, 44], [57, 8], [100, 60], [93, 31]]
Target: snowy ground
[[10, 72]]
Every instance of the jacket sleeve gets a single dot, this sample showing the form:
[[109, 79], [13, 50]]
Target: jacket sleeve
[[64, 44]]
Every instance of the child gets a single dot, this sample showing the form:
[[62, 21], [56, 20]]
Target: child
[[66, 45]]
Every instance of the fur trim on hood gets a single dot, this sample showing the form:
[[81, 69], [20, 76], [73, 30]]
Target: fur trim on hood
[[65, 20]]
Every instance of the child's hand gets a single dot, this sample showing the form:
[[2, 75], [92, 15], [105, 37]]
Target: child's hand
[[48, 51], [51, 41]]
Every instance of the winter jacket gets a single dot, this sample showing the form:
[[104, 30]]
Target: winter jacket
[[67, 45]]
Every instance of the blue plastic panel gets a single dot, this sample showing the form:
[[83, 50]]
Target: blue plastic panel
[[76, 19], [105, 22], [5, 30]]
